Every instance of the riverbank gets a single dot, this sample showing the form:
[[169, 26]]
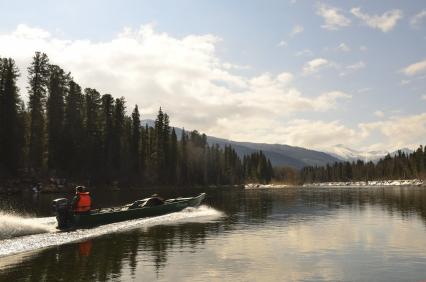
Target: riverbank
[[267, 186], [375, 183], [400, 182]]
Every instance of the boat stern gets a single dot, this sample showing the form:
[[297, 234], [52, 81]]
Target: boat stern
[[62, 212]]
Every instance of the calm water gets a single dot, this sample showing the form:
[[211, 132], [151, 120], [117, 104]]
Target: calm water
[[309, 234]]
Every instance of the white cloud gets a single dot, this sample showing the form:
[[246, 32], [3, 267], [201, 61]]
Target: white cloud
[[280, 92], [322, 135], [296, 30], [417, 19], [315, 65], [25, 32], [333, 17], [230, 66], [285, 77], [399, 131], [183, 75], [201, 91], [316, 134], [352, 68], [385, 22], [343, 47], [379, 114], [415, 68], [424, 97], [363, 48], [304, 52], [356, 66], [282, 43], [328, 100], [251, 126]]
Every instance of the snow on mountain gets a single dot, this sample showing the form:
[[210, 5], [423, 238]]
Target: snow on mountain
[[347, 154]]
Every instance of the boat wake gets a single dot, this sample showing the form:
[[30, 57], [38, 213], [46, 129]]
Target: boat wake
[[14, 226], [18, 234]]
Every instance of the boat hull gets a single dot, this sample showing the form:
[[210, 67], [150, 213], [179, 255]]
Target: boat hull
[[106, 216]]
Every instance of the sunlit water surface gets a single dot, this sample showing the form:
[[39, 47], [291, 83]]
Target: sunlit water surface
[[293, 234]]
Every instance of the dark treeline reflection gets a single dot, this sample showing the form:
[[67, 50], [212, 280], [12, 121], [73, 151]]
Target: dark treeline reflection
[[260, 206], [402, 201]]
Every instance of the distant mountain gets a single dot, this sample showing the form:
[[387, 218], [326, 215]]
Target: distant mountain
[[297, 157], [280, 155], [344, 153], [347, 154]]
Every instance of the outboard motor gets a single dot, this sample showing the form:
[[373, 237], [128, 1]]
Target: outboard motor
[[62, 212]]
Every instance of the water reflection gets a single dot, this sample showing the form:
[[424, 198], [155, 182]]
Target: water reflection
[[85, 248], [404, 201], [306, 234], [106, 257]]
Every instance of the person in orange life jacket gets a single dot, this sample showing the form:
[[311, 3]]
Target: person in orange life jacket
[[82, 202]]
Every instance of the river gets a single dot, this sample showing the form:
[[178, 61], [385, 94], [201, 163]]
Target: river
[[291, 234]]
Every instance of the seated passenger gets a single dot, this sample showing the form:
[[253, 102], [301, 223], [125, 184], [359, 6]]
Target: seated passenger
[[156, 200], [82, 202]]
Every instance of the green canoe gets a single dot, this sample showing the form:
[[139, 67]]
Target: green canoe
[[142, 208]]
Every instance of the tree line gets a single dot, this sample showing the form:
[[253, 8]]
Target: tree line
[[70, 132], [257, 168], [399, 166]]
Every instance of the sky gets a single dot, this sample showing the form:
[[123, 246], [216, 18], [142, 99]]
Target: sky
[[305, 73]]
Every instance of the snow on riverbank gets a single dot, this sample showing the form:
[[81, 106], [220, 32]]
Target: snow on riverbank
[[402, 182], [257, 186]]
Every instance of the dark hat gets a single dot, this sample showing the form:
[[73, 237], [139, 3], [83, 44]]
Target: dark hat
[[80, 188]]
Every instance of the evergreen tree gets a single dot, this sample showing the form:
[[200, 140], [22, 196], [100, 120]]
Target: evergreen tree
[[158, 158], [2, 78], [73, 129], [38, 79], [90, 137], [11, 129], [136, 139], [57, 88], [119, 125], [143, 150], [173, 157], [183, 164], [399, 166], [165, 143], [93, 140], [107, 124], [257, 168], [125, 170]]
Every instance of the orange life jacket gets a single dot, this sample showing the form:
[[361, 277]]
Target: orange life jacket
[[84, 203]]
